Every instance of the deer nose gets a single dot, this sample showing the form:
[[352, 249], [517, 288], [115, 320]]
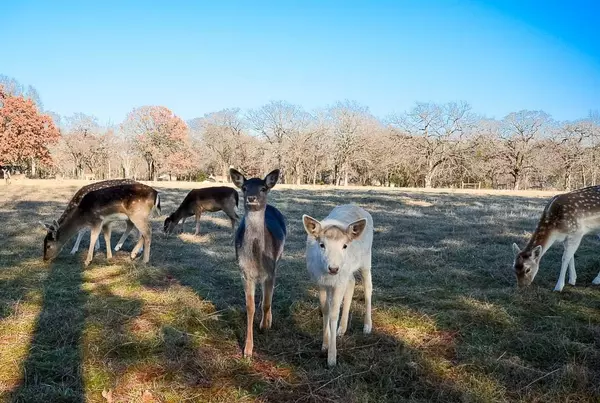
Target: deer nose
[[333, 270], [251, 199]]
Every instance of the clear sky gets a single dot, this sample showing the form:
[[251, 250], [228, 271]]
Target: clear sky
[[107, 57]]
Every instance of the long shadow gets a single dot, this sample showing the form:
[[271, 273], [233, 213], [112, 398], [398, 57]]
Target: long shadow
[[53, 371]]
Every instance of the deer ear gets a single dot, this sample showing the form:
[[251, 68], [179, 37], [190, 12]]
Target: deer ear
[[537, 253], [272, 178], [47, 227], [237, 178], [356, 228], [516, 249], [312, 226]]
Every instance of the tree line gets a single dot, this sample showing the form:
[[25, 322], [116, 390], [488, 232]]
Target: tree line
[[430, 145]]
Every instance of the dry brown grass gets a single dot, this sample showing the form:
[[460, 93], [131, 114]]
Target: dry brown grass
[[449, 324]]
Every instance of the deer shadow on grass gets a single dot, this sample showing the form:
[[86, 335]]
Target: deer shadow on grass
[[53, 368]]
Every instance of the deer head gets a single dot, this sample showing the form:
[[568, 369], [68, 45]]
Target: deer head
[[169, 224], [52, 245], [254, 190], [526, 264], [333, 241]]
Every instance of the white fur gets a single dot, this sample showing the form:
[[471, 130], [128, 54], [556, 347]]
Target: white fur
[[333, 289]]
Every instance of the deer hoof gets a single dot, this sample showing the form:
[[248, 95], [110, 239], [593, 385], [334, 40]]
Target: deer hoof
[[86, 263], [341, 331], [367, 329]]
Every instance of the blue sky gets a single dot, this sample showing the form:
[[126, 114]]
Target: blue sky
[[107, 57]]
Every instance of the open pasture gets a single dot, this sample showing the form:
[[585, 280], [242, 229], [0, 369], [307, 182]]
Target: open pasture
[[448, 321]]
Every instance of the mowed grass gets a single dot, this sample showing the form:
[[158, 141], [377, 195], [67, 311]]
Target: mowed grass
[[449, 323]]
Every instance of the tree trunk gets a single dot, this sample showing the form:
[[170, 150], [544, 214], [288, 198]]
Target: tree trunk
[[346, 176], [299, 174], [33, 167]]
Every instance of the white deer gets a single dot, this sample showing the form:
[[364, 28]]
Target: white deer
[[337, 248], [566, 218]]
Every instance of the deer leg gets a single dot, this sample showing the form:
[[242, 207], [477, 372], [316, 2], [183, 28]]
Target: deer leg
[[198, 214], [324, 301], [77, 241], [121, 241], [145, 231], [368, 284], [106, 231], [572, 273], [334, 313], [233, 217], [183, 223], [341, 330], [571, 245], [267, 298], [97, 244], [249, 287], [94, 233]]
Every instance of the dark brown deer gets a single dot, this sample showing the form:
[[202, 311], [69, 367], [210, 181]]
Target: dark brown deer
[[134, 202], [77, 198], [259, 243], [566, 218], [197, 201]]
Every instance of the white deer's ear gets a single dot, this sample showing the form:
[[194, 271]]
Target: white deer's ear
[[516, 249], [237, 178], [312, 226], [356, 228], [272, 178]]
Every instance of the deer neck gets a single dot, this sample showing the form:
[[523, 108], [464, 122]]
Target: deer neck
[[255, 225], [542, 236], [69, 227]]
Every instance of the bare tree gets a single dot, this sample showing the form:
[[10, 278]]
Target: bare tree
[[438, 132], [279, 122], [519, 133], [350, 122]]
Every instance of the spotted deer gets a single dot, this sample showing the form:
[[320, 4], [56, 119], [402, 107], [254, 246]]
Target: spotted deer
[[132, 201], [566, 218], [197, 201], [259, 243], [72, 205], [337, 248]]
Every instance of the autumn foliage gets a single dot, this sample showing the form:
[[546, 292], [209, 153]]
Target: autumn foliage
[[160, 135], [25, 133]]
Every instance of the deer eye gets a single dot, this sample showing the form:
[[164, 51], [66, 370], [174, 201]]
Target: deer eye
[[345, 246], [322, 245], [243, 188]]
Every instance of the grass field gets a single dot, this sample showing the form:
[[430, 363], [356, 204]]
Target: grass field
[[448, 321]]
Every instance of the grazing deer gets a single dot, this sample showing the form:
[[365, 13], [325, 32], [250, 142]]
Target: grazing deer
[[336, 248], [97, 208], [77, 198], [259, 243], [566, 218], [197, 201]]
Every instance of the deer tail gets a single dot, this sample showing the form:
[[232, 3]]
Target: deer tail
[[157, 207]]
